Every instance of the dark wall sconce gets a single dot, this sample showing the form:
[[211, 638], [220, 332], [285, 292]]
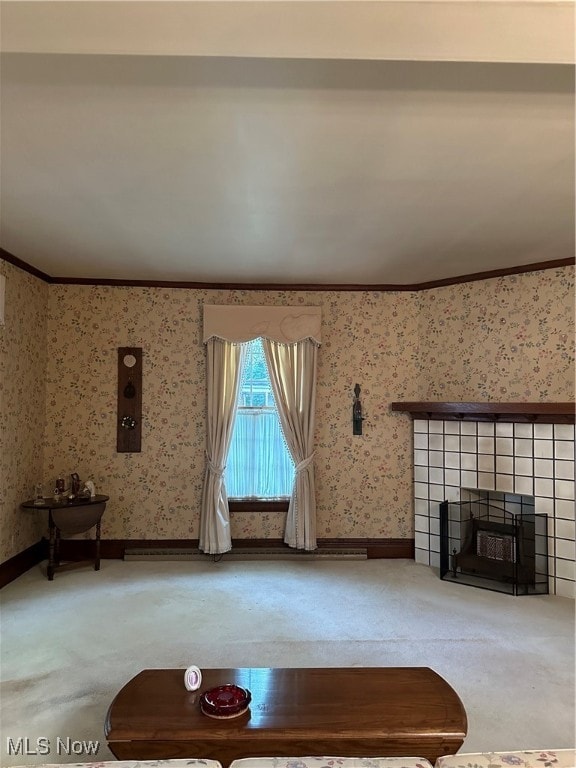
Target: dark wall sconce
[[357, 415]]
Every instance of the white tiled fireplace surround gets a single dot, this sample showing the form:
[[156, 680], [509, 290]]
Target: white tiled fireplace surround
[[520, 458]]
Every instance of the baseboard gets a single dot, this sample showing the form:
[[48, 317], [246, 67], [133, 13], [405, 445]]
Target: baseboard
[[14, 567], [114, 549], [246, 554], [389, 549], [110, 549]]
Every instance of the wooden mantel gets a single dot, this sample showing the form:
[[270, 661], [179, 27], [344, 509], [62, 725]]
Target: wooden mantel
[[543, 413]]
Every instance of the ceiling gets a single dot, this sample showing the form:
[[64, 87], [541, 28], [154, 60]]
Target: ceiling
[[359, 143]]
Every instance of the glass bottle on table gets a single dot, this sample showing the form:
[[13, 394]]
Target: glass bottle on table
[[38, 494], [60, 488]]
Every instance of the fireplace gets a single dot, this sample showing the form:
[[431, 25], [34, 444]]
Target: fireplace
[[495, 541], [519, 448]]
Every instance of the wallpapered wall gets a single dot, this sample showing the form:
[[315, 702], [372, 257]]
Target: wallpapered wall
[[363, 484], [398, 346], [22, 405], [507, 339]]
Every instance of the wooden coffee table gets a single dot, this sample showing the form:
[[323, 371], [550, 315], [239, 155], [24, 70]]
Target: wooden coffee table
[[356, 712]]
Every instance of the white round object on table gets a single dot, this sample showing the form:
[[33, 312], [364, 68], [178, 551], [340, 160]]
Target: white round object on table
[[192, 678]]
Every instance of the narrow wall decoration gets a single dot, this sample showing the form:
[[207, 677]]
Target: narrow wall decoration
[[357, 415], [129, 423]]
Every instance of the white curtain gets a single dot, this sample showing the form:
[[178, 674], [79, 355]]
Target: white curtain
[[292, 370], [258, 463], [224, 363]]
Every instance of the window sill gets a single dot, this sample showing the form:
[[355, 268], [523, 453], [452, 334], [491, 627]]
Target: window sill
[[258, 505]]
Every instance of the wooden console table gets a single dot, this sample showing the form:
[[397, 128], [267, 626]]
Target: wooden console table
[[70, 517]]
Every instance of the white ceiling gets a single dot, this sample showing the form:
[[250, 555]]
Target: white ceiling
[[126, 163]]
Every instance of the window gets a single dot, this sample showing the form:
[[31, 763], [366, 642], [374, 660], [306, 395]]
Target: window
[[259, 465]]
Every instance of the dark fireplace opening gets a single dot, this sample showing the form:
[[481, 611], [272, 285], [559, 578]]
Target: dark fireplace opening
[[494, 540]]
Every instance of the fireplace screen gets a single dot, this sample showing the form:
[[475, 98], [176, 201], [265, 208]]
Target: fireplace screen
[[495, 541]]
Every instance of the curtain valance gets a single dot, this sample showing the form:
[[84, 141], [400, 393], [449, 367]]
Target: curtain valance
[[239, 323]]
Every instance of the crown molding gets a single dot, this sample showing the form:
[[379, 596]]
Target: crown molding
[[378, 288], [16, 262]]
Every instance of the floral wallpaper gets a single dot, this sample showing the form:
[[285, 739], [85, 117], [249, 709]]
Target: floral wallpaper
[[509, 338], [363, 484], [22, 406]]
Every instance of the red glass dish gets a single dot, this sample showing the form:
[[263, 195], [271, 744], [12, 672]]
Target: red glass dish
[[225, 701]]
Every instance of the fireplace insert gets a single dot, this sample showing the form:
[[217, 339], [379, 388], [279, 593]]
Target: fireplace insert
[[495, 541]]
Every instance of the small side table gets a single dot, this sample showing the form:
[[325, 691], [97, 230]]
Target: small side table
[[70, 517]]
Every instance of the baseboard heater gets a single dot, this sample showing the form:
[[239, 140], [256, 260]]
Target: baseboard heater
[[243, 553]]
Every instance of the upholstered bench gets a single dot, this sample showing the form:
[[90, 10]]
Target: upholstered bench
[[331, 762], [191, 762], [258, 762], [554, 758]]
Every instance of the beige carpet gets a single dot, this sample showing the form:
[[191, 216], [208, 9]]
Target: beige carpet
[[69, 645]]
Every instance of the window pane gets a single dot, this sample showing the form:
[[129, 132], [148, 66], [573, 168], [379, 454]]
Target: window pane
[[259, 464]]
